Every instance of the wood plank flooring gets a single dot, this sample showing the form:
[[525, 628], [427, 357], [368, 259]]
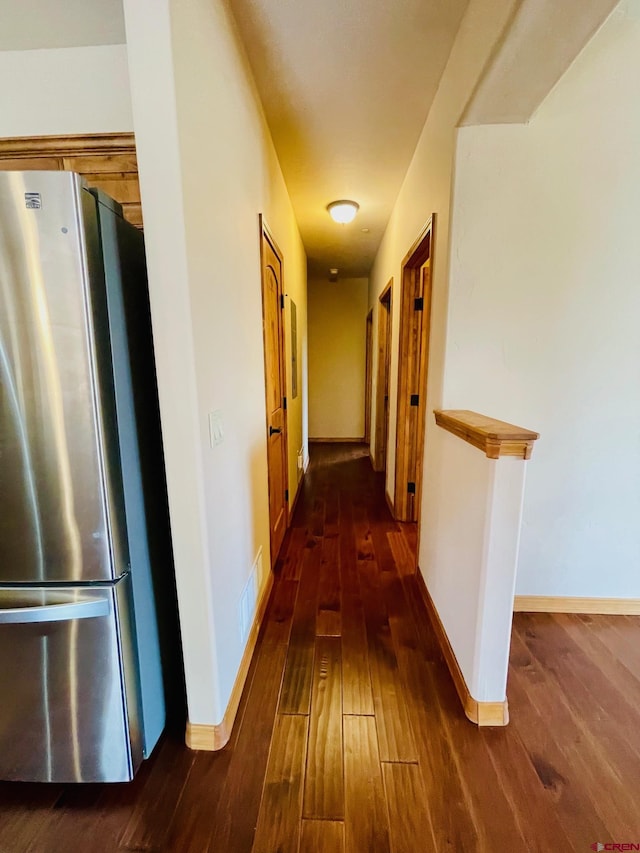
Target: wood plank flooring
[[350, 736]]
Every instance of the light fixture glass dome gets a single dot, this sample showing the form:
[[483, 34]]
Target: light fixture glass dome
[[343, 211]]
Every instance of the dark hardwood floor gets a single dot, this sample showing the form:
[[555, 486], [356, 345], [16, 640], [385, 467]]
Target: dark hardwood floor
[[350, 736]]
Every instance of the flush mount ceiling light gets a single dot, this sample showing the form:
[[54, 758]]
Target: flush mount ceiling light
[[343, 211]]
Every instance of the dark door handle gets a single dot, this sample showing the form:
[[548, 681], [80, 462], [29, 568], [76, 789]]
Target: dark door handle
[[272, 430]]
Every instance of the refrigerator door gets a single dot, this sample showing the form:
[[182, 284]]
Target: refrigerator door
[[61, 508], [68, 713]]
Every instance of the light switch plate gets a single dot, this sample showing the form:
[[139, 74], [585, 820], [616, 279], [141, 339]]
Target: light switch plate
[[216, 431], [246, 607]]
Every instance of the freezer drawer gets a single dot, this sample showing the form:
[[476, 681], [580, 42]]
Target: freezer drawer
[[68, 713]]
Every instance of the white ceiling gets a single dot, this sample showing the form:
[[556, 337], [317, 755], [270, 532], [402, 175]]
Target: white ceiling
[[33, 24], [346, 87]]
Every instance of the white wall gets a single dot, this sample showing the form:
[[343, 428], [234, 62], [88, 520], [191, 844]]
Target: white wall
[[65, 91], [427, 189], [33, 24], [476, 550], [337, 355], [545, 312], [207, 168]]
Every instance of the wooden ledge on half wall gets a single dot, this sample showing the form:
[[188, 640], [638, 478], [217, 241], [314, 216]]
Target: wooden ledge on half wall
[[493, 437]]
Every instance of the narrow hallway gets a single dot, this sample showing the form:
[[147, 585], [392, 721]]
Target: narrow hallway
[[350, 735], [328, 668]]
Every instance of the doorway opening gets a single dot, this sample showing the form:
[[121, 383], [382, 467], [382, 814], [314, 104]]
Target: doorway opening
[[383, 379], [415, 314]]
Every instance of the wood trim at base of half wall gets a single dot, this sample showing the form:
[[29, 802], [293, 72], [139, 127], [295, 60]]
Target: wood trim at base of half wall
[[594, 606], [480, 713], [359, 440], [212, 738]]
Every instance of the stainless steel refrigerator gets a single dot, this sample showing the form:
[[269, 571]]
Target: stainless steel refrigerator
[[81, 681]]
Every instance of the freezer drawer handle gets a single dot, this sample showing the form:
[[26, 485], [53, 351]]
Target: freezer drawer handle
[[87, 608]]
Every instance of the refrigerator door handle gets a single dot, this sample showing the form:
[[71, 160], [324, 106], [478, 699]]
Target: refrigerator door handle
[[87, 608]]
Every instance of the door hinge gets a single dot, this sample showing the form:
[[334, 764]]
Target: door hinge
[[418, 304], [415, 400], [286, 495], [284, 403], [282, 301], [411, 488]]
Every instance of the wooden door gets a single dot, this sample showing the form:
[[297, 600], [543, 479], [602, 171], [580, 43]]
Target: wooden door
[[382, 385], [275, 389], [416, 369], [368, 377], [415, 312]]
